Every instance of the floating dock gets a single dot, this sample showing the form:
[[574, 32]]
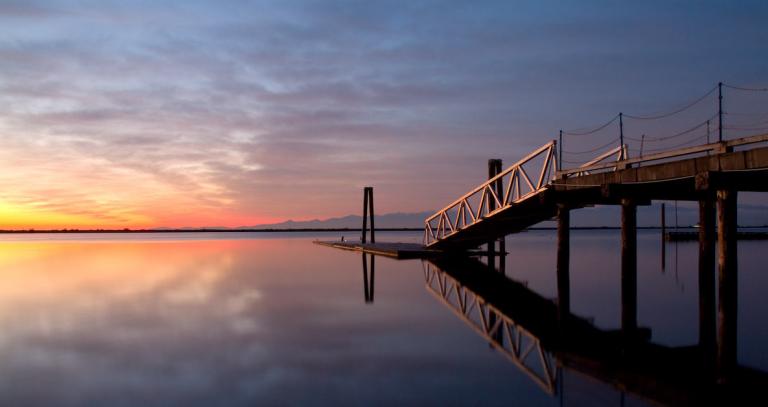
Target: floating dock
[[393, 250], [402, 250]]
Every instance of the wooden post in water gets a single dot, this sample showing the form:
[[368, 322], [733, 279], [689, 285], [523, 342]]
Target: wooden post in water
[[368, 207], [628, 265], [663, 237], [365, 215], [728, 284], [563, 260], [707, 312]]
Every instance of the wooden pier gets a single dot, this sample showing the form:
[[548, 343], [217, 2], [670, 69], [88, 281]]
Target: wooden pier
[[712, 175], [537, 189]]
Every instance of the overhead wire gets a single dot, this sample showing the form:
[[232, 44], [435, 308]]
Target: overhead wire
[[678, 134], [595, 130], [674, 112], [745, 88], [676, 145], [592, 150]]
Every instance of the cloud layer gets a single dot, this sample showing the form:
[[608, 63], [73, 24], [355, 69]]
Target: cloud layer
[[200, 113]]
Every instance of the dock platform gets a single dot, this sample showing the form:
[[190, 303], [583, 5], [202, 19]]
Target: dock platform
[[387, 249]]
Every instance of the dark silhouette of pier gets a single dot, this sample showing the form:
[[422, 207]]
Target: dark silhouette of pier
[[537, 188], [711, 174]]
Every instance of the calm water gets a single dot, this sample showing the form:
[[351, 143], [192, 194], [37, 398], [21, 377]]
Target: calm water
[[273, 319]]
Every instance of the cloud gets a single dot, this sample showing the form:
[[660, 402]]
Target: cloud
[[230, 110]]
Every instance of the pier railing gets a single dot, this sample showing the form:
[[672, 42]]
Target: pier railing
[[498, 193], [597, 164]]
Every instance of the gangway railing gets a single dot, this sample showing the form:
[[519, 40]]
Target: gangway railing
[[498, 193]]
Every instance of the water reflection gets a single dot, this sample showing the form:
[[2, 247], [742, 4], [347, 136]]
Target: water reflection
[[368, 282], [532, 333]]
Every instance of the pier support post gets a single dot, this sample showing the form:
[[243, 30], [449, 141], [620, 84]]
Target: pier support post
[[368, 207], [663, 237], [707, 312], [628, 265], [728, 284], [563, 260]]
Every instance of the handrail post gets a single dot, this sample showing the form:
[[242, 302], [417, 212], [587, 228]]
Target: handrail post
[[560, 156], [720, 111], [621, 135]]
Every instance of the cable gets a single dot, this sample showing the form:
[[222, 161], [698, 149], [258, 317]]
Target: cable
[[682, 133], [676, 145], [577, 133], [762, 114], [744, 128], [664, 115], [745, 88], [592, 150]]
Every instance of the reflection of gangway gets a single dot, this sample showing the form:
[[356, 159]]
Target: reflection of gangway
[[515, 342], [530, 331]]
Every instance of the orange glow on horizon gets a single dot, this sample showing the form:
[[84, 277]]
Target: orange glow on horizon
[[19, 217]]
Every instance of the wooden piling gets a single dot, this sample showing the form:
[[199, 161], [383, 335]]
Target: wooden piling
[[628, 265], [727, 284], [707, 311], [563, 260], [663, 237], [365, 215], [368, 211]]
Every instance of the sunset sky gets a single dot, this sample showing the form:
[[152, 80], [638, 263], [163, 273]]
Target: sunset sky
[[192, 113]]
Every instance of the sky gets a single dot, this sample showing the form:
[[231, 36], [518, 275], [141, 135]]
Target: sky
[[233, 113]]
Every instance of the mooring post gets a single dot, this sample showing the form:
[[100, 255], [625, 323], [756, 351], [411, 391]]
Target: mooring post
[[365, 214], [727, 284], [563, 260], [628, 265], [368, 211], [707, 312]]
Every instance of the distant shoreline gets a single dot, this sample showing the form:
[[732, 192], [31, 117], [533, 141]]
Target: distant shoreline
[[271, 230]]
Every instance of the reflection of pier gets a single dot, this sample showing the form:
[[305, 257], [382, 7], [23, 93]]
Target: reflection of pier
[[540, 338], [368, 282]]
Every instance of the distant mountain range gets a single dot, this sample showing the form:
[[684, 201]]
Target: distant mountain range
[[600, 216], [686, 214], [388, 220]]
